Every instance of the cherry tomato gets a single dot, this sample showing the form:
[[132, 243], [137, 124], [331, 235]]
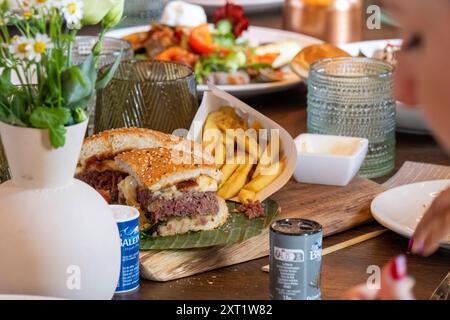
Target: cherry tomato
[[201, 41], [177, 54]]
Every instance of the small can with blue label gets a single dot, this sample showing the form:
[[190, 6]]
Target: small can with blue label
[[127, 219], [295, 259]]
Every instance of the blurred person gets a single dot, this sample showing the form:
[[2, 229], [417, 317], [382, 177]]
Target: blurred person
[[422, 78]]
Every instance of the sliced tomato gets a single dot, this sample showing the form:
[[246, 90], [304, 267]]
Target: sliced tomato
[[201, 41], [268, 58], [177, 54]]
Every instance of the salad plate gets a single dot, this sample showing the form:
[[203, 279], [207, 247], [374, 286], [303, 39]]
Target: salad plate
[[409, 120], [400, 209], [255, 36], [250, 6]]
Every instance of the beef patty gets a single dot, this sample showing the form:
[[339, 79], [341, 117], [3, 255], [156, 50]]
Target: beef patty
[[186, 204], [105, 182]]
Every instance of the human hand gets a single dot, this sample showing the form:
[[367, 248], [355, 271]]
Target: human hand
[[434, 226], [395, 284]]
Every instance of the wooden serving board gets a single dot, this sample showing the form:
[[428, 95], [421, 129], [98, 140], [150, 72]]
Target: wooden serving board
[[336, 208]]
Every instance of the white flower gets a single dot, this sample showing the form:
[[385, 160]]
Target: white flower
[[21, 47], [59, 4], [4, 21], [42, 4], [24, 3], [73, 13], [40, 45]]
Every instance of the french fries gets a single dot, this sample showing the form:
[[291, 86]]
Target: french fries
[[246, 196], [229, 168], [256, 125], [236, 182], [268, 157], [247, 165], [210, 130], [263, 180]]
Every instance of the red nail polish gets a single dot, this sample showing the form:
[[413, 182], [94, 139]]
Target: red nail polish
[[410, 245], [398, 267]]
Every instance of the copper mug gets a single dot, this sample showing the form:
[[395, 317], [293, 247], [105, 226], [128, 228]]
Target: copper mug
[[334, 21]]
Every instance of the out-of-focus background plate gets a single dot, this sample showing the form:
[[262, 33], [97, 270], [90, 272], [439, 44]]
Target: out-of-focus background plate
[[256, 35], [400, 209], [408, 120], [250, 6]]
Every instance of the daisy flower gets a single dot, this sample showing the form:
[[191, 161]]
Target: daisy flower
[[58, 3], [20, 47], [42, 4], [27, 14], [24, 3], [73, 13], [4, 21], [40, 45]]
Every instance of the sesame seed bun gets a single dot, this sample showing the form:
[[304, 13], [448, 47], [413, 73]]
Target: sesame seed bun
[[157, 168], [108, 144]]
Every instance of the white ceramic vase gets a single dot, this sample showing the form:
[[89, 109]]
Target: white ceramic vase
[[58, 235]]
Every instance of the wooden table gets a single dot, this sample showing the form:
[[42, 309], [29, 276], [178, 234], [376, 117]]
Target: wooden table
[[340, 270]]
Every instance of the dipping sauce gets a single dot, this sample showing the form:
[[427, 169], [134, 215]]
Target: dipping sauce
[[336, 148]]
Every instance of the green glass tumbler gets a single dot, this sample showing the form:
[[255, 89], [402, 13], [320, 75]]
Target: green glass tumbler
[[158, 95], [111, 49], [354, 97]]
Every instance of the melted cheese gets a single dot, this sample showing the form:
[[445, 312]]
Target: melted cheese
[[127, 188], [206, 184]]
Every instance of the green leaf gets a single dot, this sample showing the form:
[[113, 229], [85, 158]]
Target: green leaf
[[4, 6], [7, 116], [238, 228], [6, 86], [19, 106], [257, 66], [79, 83], [224, 26], [79, 115], [44, 118], [57, 136], [108, 73], [52, 119]]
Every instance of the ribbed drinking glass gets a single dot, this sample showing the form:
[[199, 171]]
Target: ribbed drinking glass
[[111, 48], [149, 94], [353, 97]]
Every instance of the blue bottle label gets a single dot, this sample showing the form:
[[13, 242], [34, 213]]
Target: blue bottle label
[[129, 269]]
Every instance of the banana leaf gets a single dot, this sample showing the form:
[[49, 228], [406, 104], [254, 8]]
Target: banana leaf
[[238, 228]]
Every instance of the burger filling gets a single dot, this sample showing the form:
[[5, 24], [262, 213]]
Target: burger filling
[[104, 177], [175, 208], [185, 204]]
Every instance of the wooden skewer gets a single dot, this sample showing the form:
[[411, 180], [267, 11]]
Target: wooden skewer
[[344, 244]]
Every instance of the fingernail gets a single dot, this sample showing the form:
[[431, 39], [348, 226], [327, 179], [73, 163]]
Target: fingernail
[[421, 248], [410, 245], [398, 267]]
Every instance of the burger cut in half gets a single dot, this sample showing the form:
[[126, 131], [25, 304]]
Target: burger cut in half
[[96, 164], [175, 196]]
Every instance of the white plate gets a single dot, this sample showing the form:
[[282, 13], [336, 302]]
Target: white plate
[[250, 6], [400, 209], [256, 35], [409, 120]]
